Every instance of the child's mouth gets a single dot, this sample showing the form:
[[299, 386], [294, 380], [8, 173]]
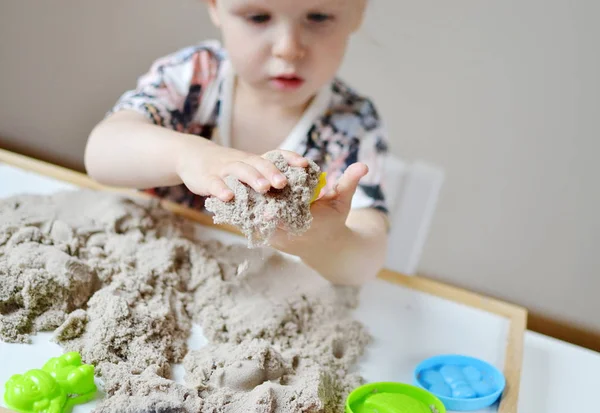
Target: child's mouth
[[288, 82]]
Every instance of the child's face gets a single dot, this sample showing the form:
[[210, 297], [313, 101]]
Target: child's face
[[286, 50]]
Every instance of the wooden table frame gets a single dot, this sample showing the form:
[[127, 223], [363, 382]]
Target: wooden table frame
[[515, 314]]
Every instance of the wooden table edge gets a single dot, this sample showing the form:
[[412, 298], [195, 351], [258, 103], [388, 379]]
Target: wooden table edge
[[517, 315]]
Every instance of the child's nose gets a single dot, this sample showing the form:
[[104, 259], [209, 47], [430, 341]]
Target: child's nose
[[288, 45]]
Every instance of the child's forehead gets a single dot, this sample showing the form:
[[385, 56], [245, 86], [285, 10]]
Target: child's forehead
[[298, 4]]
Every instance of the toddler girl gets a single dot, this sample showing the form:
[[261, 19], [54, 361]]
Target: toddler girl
[[211, 110]]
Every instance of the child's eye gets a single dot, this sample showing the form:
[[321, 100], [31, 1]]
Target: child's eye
[[319, 17], [259, 18]]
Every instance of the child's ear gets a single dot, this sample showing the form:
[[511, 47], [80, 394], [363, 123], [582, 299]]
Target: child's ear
[[212, 11]]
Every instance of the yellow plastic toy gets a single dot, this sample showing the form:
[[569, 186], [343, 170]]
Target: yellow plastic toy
[[320, 186]]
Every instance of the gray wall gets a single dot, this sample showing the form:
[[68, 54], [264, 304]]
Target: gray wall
[[501, 94]]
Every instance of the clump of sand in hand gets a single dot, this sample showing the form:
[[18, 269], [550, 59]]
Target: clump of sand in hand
[[259, 215]]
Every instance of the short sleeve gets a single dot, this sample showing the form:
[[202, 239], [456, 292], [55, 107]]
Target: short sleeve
[[372, 151], [351, 131], [169, 94]]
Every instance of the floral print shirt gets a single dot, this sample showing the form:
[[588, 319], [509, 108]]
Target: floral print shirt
[[191, 91]]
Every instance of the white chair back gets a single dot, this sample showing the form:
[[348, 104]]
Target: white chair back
[[412, 191]]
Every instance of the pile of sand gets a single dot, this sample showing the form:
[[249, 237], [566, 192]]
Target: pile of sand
[[259, 215], [122, 281]]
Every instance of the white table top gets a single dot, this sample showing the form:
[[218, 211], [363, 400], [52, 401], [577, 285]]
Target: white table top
[[558, 377], [406, 325]]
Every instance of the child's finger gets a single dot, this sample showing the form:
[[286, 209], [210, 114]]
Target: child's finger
[[211, 185], [248, 174], [348, 183], [218, 188], [269, 171], [294, 159]]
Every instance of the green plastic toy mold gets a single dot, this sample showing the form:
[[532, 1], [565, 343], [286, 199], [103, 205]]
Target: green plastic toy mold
[[55, 388], [391, 397]]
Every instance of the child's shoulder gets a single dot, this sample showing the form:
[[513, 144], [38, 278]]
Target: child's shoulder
[[211, 49], [348, 108]]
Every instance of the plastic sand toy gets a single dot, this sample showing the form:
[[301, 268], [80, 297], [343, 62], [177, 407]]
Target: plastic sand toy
[[390, 397], [320, 186], [55, 388], [461, 382]]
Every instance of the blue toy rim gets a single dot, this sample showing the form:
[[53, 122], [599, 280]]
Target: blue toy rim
[[435, 360]]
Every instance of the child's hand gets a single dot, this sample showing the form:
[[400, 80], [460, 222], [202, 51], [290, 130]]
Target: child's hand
[[345, 246], [330, 213], [202, 165]]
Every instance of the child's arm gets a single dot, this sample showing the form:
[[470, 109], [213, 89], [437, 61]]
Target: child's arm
[[360, 251], [121, 147], [345, 246], [127, 149]]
